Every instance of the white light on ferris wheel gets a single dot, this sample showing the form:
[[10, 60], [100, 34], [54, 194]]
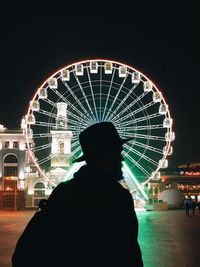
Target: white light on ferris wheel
[[167, 123], [42, 94], [163, 163], [163, 109], [35, 105], [147, 86], [79, 69], [30, 119], [53, 83], [157, 97], [156, 176], [122, 71], [136, 78], [65, 75], [93, 67], [108, 67], [168, 151], [170, 136]]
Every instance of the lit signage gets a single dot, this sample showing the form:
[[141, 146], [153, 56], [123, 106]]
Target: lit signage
[[191, 165], [190, 173]]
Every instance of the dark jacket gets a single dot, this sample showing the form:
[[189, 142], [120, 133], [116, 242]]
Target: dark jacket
[[92, 223]]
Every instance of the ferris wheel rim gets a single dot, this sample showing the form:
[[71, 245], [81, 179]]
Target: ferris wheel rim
[[97, 60]]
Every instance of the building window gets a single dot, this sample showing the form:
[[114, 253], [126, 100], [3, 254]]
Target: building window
[[15, 145], [8, 201], [10, 159], [156, 191], [10, 185], [39, 190], [6, 144], [10, 170]]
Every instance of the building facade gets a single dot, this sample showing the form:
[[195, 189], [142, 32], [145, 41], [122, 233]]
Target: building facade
[[186, 180], [13, 155], [22, 186]]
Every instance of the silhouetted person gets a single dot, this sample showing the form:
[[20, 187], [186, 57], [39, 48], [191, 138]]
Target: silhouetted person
[[198, 205], [94, 222], [193, 206], [187, 207]]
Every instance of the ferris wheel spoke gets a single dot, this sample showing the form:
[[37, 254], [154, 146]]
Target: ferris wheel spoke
[[77, 149], [108, 95], [93, 119], [136, 111], [92, 93], [45, 159], [142, 155], [59, 95], [148, 117], [122, 102], [45, 124], [117, 117], [83, 118], [148, 147], [137, 164], [139, 128], [76, 120], [47, 113], [41, 147], [49, 102], [145, 136], [52, 115], [84, 112], [41, 135], [115, 99], [68, 103], [139, 119]]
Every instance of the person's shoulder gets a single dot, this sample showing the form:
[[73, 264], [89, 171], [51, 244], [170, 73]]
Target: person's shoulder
[[122, 190], [62, 190]]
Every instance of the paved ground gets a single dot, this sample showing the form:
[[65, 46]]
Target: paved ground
[[167, 238]]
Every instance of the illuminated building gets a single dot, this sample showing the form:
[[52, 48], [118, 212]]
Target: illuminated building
[[185, 178], [21, 184], [13, 157]]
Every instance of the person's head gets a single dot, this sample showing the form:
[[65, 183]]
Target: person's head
[[102, 147]]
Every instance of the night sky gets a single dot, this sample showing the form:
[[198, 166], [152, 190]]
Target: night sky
[[158, 38]]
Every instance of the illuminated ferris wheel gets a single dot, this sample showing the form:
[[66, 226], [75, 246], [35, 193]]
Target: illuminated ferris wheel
[[96, 90]]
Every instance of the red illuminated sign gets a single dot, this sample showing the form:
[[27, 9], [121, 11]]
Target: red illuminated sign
[[192, 173]]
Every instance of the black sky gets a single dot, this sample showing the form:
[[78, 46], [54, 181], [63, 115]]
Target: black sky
[[158, 38]]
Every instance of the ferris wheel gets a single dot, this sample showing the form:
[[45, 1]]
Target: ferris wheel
[[89, 91]]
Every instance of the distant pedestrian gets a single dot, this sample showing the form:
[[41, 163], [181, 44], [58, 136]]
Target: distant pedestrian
[[193, 206], [187, 207], [198, 205]]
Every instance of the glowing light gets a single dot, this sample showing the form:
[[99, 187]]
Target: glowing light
[[128, 174], [192, 173], [22, 146], [21, 175], [74, 168], [30, 191]]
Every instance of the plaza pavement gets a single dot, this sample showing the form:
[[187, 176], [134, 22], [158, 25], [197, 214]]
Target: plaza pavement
[[167, 238]]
